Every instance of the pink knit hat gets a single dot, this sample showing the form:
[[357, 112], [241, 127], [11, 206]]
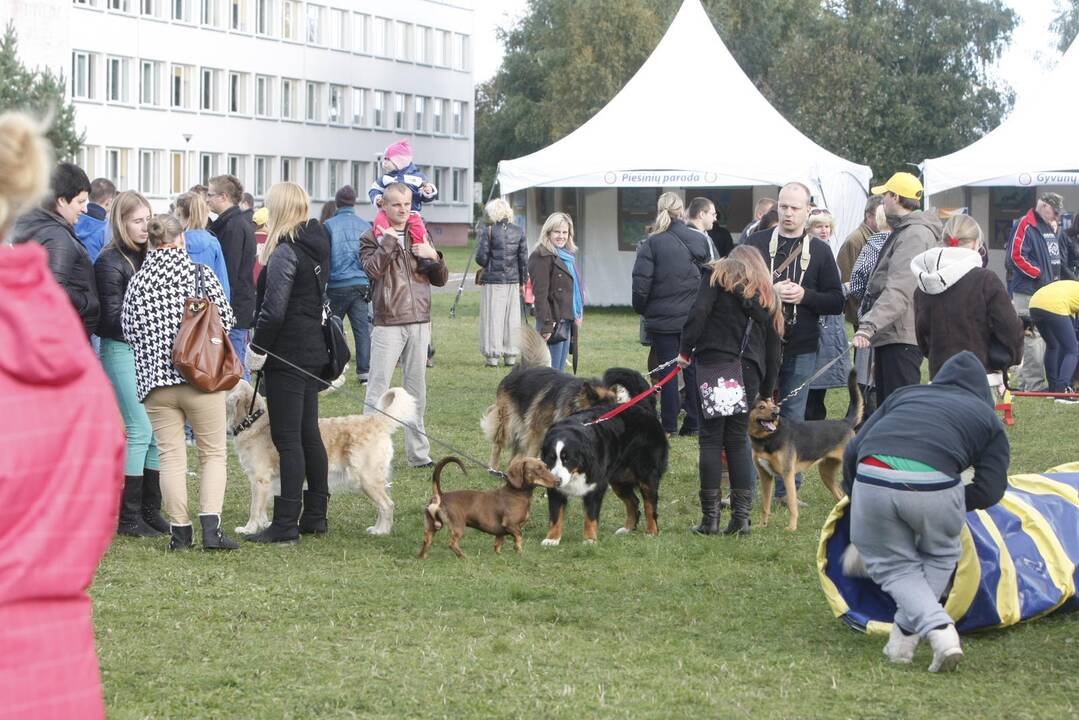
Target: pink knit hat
[[400, 154]]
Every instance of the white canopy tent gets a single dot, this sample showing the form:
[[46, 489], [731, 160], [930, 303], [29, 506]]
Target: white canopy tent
[[1034, 146], [729, 138]]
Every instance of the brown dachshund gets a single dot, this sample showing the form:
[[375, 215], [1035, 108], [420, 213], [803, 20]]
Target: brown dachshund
[[498, 512]]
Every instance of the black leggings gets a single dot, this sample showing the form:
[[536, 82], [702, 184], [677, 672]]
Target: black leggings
[[292, 401], [815, 408], [730, 434]]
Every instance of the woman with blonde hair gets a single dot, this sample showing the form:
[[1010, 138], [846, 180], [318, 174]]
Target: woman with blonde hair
[[288, 341], [194, 214], [736, 315], [121, 258], [666, 274], [557, 286], [832, 342], [502, 255]]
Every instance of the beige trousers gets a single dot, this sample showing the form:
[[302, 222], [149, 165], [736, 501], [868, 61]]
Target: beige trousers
[[169, 408], [500, 322]]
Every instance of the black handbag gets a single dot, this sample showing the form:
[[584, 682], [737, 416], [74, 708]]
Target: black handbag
[[333, 332], [722, 390], [563, 331]]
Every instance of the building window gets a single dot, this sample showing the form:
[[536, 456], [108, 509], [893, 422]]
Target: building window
[[399, 114], [438, 124], [442, 48], [181, 86], [461, 52], [121, 5], [211, 90], [238, 93], [176, 172], [339, 27], [181, 10], [82, 75], [379, 120], [404, 41], [359, 181], [636, 211], [264, 17], [262, 175], [439, 181], [289, 89], [116, 82], [150, 8], [359, 107], [290, 20], [424, 43], [150, 82], [315, 15], [237, 167], [314, 102], [207, 167], [211, 14], [238, 15], [457, 193], [337, 104], [419, 119], [383, 37], [338, 176], [458, 117], [313, 178], [85, 157], [116, 160], [150, 172], [288, 169], [263, 96], [361, 32], [87, 3]]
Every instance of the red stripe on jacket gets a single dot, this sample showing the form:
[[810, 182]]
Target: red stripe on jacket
[[1021, 262]]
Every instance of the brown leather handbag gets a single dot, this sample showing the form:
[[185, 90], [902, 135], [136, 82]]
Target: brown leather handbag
[[202, 352]]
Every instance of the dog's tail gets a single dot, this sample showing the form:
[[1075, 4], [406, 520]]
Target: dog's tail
[[534, 350], [857, 405], [632, 382], [398, 403], [435, 505]]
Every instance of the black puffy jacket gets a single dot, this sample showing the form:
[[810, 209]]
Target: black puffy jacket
[[666, 275], [503, 254], [288, 321], [114, 269], [237, 237], [68, 260]]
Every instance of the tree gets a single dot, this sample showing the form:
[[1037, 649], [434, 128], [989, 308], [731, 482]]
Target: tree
[[882, 82], [1066, 23], [36, 92]]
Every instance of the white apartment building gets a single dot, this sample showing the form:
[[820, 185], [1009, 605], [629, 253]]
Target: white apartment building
[[173, 92]]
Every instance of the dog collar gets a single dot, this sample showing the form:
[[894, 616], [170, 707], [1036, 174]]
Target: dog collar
[[248, 422]]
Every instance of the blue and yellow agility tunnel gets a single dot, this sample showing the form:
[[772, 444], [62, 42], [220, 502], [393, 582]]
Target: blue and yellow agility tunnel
[[1019, 561]]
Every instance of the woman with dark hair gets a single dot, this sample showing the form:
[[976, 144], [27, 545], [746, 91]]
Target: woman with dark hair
[[736, 315]]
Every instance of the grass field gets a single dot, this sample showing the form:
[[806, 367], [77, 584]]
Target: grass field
[[677, 626]]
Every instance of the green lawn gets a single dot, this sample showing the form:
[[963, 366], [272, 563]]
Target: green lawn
[[670, 627]]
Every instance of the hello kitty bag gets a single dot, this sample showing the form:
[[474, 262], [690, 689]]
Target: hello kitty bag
[[723, 393]]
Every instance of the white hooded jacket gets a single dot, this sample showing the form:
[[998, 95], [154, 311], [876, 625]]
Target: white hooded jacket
[[938, 269]]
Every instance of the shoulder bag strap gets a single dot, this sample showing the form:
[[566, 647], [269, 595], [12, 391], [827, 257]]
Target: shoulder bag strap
[[692, 259], [745, 338], [200, 283], [316, 269]]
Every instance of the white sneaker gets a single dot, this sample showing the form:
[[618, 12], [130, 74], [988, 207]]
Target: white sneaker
[[946, 650], [900, 648]]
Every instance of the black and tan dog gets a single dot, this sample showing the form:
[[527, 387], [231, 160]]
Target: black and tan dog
[[533, 397], [499, 512], [783, 448]]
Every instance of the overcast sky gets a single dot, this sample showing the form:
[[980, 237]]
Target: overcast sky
[[1033, 47]]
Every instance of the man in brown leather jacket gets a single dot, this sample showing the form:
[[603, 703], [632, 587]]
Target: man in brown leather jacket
[[402, 273]]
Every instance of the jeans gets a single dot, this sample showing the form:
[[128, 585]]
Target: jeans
[[1061, 347], [897, 365], [348, 302], [239, 340], [292, 402], [794, 371], [666, 346], [559, 351], [118, 361], [409, 344]]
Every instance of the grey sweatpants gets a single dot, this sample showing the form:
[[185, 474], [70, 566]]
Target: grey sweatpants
[[407, 343], [500, 322], [909, 541]]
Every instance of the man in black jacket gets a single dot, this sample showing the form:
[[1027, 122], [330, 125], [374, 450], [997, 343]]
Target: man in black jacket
[[237, 237], [53, 226], [809, 287]]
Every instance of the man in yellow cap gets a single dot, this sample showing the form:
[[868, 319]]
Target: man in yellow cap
[[888, 324]]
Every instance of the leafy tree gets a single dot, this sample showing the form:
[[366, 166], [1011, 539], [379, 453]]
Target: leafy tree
[[1066, 23], [37, 92]]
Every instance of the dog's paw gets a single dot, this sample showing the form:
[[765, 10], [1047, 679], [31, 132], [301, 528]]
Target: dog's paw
[[589, 541], [551, 542], [376, 530], [245, 530], [792, 528], [623, 531]]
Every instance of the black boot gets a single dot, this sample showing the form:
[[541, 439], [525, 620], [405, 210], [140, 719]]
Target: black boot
[[313, 519], [181, 537], [741, 502], [131, 522], [709, 513], [283, 528], [212, 537], [151, 501]]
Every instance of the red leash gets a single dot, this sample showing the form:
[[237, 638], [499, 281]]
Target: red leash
[[634, 400]]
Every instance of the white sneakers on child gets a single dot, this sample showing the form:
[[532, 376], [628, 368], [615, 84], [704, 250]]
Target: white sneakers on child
[[900, 647], [946, 650]]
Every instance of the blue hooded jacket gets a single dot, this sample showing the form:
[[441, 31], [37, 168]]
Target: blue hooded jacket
[[91, 229], [204, 249], [345, 229], [410, 176]]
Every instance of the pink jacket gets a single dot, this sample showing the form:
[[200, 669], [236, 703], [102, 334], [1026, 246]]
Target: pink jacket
[[61, 470]]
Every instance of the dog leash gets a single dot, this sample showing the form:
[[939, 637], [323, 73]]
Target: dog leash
[[634, 400], [820, 371], [251, 416], [412, 426]]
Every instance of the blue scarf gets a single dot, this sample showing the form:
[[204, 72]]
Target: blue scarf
[[578, 299]]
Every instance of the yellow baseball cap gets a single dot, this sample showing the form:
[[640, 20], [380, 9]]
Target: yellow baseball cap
[[261, 216], [902, 184]]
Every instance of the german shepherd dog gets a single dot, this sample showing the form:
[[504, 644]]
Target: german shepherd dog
[[627, 452], [533, 397], [783, 447]]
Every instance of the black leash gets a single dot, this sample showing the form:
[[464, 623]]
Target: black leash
[[251, 416], [362, 401]]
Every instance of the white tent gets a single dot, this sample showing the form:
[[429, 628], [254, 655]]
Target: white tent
[[1034, 145], [728, 138]]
